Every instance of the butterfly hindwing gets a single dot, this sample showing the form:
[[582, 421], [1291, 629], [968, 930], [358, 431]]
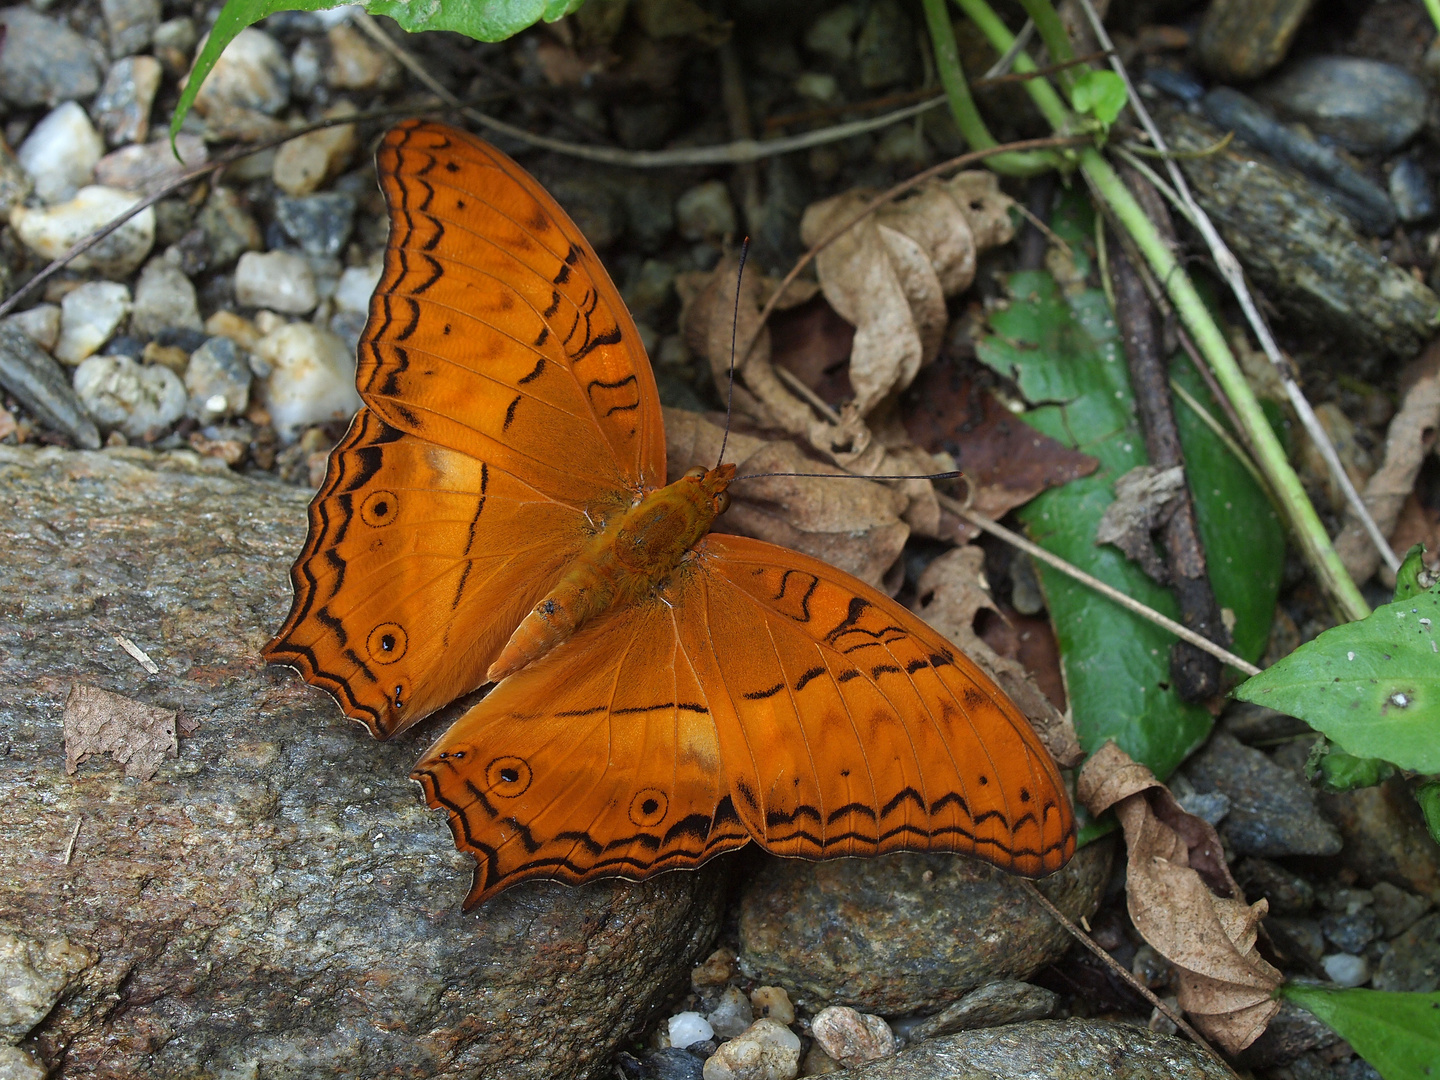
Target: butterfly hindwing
[[856, 729], [600, 760]]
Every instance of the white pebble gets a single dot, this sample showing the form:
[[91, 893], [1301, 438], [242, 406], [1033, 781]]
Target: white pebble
[[61, 152], [312, 378], [89, 315], [356, 286], [52, 230], [851, 1037], [1346, 969], [164, 298], [218, 379], [766, 1050], [140, 401], [774, 1002], [252, 73], [687, 1028], [41, 323], [733, 1015], [277, 280]]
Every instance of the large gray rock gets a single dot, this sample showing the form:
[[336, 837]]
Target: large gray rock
[[1050, 1050], [276, 900]]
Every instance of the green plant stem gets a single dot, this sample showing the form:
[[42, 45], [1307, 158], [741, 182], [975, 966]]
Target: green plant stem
[[1304, 523], [1433, 7], [962, 104], [1056, 40]]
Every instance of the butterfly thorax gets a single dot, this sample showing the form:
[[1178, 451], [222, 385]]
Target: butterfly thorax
[[627, 558]]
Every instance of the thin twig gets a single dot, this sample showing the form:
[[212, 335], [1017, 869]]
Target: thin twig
[[826, 112], [1022, 39], [890, 196], [1218, 429], [1126, 976], [1234, 275], [731, 153], [74, 834], [1039, 72], [139, 655], [1108, 591]]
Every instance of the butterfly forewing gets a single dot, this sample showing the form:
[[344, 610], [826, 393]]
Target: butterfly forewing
[[495, 330]]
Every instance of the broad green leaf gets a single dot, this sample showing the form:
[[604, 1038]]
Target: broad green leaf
[[484, 20], [1428, 796], [1372, 686], [1117, 665], [1409, 579], [1100, 94], [1399, 1034], [1244, 540]]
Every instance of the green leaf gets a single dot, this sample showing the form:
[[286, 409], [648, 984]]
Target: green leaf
[[1411, 578], [1100, 94], [1346, 772], [1399, 1034], [1428, 796], [1243, 537], [1117, 665], [484, 20], [1372, 686]]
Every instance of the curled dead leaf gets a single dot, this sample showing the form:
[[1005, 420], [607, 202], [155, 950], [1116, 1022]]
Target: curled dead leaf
[[137, 735], [890, 274], [850, 523], [1184, 902], [950, 593], [1145, 497], [1411, 436]]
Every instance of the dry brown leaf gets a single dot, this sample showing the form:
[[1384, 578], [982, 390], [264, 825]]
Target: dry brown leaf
[[1184, 902], [950, 593], [1411, 436], [1145, 497], [1006, 462], [890, 274], [850, 523], [138, 736]]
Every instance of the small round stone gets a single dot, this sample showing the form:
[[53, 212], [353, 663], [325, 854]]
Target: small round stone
[[44, 62], [705, 212], [60, 153], [733, 1014], [852, 1037], [138, 401], [766, 1050], [320, 224], [1346, 969], [164, 298], [304, 163], [277, 280], [41, 323], [89, 315], [52, 230], [122, 108], [311, 380], [774, 1002], [687, 1029], [218, 380], [356, 286], [252, 73]]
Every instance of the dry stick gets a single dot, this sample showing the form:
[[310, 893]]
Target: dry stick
[[74, 835], [732, 153], [955, 506], [1125, 976], [889, 196], [1234, 276], [1196, 675], [189, 176]]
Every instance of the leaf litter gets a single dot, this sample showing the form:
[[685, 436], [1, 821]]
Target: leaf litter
[[136, 735]]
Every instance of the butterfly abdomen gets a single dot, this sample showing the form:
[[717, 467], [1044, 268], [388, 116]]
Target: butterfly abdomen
[[624, 561]]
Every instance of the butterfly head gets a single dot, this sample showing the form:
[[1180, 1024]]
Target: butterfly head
[[714, 483]]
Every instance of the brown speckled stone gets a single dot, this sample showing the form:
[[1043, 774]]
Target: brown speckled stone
[[277, 901]]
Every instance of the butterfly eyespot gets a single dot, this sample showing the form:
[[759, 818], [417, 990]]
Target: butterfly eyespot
[[398, 691], [722, 502], [508, 777], [648, 807], [379, 508], [695, 472], [387, 643]]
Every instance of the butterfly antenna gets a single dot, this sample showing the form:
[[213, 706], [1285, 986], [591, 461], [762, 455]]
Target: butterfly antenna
[[734, 329]]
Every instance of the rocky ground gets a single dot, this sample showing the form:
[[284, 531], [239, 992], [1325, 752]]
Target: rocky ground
[[272, 900]]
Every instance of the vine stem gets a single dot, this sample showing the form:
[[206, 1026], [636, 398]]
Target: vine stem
[[1304, 522]]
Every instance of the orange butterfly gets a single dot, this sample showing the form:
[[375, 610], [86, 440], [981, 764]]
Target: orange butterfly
[[498, 512]]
